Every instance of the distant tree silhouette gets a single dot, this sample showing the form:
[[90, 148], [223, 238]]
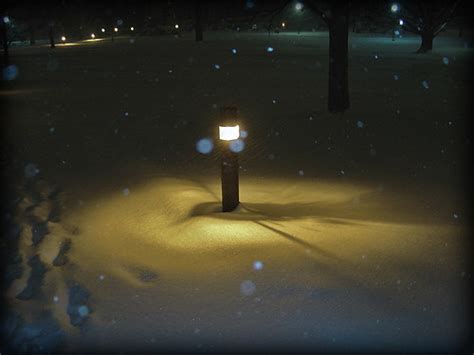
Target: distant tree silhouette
[[427, 19]]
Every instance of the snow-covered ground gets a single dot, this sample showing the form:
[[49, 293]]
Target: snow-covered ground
[[352, 232]]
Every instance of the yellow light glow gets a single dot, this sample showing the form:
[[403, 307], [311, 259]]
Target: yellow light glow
[[229, 133], [92, 36], [115, 29], [63, 38]]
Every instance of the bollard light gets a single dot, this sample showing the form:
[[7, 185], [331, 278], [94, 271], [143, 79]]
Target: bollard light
[[229, 131], [283, 24], [92, 36]]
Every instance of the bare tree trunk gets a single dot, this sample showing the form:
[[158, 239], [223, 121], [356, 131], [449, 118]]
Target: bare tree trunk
[[338, 90], [426, 42], [31, 29], [4, 34], [198, 19], [51, 36]]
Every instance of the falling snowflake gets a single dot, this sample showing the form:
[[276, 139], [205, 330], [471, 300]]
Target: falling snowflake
[[425, 84], [300, 172], [217, 66], [247, 288], [204, 145], [270, 49], [396, 77], [258, 265], [360, 124], [234, 51], [31, 170], [237, 145], [445, 60], [10, 72], [83, 311]]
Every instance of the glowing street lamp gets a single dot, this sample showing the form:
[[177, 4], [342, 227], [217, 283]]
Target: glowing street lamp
[[229, 132], [176, 26], [102, 30], [283, 24], [63, 38], [132, 28], [115, 29], [92, 36], [401, 22]]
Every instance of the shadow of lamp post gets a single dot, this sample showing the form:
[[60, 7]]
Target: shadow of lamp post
[[229, 132]]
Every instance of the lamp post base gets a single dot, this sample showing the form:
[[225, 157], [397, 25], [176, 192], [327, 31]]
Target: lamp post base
[[230, 180]]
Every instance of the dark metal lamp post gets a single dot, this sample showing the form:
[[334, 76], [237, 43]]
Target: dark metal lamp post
[[229, 131]]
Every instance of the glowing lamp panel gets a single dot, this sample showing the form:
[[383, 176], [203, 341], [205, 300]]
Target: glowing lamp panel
[[229, 133]]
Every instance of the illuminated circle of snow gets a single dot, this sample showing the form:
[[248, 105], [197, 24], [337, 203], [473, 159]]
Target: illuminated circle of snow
[[229, 133], [204, 146], [258, 265], [10, 72], [237, 145], [247, 288]]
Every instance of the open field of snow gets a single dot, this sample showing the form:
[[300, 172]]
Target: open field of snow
[[352, 232]]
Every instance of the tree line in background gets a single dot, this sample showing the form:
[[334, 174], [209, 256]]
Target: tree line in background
[[28, 20]]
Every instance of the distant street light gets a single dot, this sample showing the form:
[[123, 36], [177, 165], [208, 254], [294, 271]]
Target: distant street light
[[63, 38], [283, 24], [401, 22], [92, 36], [229, 132], [176, 26], [115, 29], [102, 30], [132, 29]]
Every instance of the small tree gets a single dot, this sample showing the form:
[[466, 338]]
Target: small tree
[[427, 19]]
